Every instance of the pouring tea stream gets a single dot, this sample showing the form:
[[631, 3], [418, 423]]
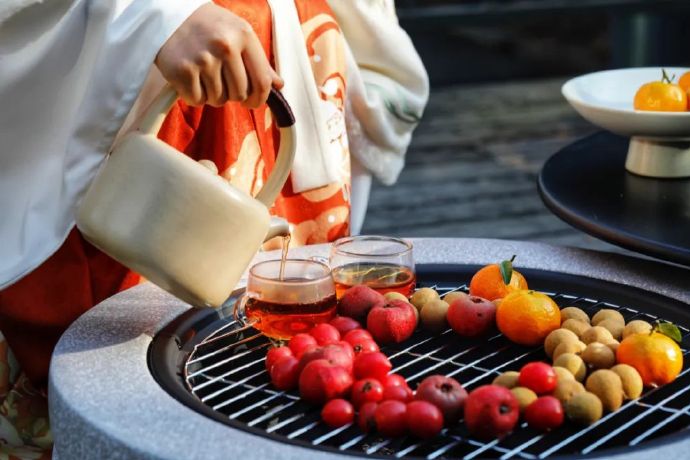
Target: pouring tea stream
[[174, 221]]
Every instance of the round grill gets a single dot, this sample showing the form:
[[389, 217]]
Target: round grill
[[209, 363]]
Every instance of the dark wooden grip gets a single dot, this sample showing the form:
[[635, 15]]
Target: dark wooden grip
[[280, 108]]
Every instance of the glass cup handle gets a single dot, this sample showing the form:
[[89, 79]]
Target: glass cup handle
[[238, 311]]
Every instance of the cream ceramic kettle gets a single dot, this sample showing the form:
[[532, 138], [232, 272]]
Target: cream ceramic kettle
[[176, 222]]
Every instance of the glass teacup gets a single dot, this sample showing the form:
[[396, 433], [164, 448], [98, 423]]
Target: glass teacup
[[383, 263], [282, 307]]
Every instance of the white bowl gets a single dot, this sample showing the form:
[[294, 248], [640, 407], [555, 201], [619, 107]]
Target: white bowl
[[606, 99]]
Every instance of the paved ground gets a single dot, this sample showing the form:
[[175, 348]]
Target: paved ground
[[473, 163]]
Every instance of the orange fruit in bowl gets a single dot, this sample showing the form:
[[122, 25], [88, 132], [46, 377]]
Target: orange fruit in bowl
[[490, 281], [656, 357], [526, 317], [661, 96]]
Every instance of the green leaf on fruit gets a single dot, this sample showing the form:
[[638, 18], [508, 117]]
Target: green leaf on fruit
[[665, 78], [506, 268], [670, 330]]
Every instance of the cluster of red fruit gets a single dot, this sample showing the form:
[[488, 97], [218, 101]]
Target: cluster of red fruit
[[339, 364], [320, 363], [324, 362]]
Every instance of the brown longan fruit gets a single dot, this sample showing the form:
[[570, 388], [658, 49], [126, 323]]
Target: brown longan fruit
[[584, 408], [608, 387], [575, 325], [567, 389], [615, 327], [630, 379], [574, 313], [569, 347], [557, 337], [422, 296], [433, 316], [574, 364], [596, 334], [453, 296], [605, 314], [507, 379], [598, 356], [524, 396], [562, 374], [637, 327]]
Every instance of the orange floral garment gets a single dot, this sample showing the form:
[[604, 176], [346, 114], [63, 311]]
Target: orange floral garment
[[37, 309], [243, 143]]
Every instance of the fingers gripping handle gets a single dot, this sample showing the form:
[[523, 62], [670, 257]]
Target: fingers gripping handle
[[155, 115]]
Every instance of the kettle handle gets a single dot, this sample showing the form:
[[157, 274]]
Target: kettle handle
[[153, 119], [285, 120]]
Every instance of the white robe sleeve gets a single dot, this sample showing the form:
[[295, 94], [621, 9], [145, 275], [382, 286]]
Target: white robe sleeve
[[387, 85], [70, 71]]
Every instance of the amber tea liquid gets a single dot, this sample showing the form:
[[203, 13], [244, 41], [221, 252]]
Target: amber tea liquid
[[283, 320], [379, 276]]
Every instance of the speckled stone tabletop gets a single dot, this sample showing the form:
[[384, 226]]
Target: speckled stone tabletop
[[106, 405]]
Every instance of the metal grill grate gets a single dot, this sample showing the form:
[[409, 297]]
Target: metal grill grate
[[226, 373]]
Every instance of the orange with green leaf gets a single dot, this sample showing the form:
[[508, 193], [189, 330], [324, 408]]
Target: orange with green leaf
[[495, 281], [656, 356]]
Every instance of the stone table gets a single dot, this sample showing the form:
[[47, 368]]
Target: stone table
[[105, 404]]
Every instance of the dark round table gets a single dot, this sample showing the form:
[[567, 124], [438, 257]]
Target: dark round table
[[587, 186]]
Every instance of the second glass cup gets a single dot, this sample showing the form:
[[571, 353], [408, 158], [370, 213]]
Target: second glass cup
[[383, 263], [282, 307]]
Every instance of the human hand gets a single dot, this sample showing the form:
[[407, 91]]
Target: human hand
[[215, 57]]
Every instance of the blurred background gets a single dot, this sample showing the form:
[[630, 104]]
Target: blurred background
[[496, 112]]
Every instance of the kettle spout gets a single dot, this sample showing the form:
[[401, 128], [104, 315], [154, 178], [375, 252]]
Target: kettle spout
[[277, 227]]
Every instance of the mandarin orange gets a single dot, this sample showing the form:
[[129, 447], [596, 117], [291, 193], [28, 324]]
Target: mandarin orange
[[656, 357], [661, 96], [488, 283], [526, 317]]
